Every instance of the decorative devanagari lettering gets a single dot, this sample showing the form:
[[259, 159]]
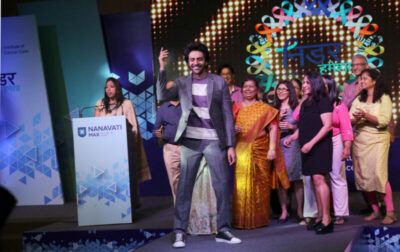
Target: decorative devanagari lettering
[[7, 78], [332, 66], [315, 54], [295, 51]]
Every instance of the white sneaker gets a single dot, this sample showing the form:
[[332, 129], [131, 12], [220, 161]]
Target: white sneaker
[[227, 237], [179, 240]]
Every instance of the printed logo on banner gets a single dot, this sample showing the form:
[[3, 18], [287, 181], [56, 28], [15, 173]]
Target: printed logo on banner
[[276, 38], [82, 131], [7, 82]]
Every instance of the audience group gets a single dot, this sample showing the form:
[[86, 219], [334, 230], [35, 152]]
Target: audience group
[[294, 139]]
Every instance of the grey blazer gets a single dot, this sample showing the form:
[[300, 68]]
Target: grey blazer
[[219, 105]]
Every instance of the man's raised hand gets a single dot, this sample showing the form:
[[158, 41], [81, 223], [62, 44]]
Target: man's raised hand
[[163, 58]]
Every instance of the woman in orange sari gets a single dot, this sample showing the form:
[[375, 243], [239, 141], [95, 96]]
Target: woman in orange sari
[[257, 131]]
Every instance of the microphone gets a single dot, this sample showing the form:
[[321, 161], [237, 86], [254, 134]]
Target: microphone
[[81, 109]]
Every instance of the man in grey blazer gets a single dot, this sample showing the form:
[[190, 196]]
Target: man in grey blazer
[[206, 128]]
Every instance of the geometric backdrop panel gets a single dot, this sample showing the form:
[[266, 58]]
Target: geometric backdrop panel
[[28, 161], [121, 240], [130, 54], [129, 48]]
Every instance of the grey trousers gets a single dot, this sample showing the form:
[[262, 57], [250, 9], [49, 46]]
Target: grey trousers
[[192, 151]]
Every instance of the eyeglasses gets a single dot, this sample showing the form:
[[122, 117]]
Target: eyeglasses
[[282, 90]]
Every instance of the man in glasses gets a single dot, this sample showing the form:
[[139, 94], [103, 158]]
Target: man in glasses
[[227, 72], [352, 87]]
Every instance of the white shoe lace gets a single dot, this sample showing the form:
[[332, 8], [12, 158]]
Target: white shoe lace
[[179, 237]]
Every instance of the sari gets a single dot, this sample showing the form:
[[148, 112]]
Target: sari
[[203, 212], [252, 184]]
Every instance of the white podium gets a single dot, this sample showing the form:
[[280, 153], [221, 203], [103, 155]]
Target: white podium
[[102, 170]]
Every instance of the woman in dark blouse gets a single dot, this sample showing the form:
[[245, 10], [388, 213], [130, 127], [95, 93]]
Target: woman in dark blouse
[[315, 139]]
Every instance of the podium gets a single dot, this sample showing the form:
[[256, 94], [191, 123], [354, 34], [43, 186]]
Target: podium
[[102, 170]]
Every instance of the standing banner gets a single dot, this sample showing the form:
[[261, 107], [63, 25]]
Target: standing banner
[[28, 161], [102, 170]]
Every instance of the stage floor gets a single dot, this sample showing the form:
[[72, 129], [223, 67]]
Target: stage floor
[[156, 213]]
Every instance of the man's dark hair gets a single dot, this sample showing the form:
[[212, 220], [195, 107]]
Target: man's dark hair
[[221, 67], [196, 46]]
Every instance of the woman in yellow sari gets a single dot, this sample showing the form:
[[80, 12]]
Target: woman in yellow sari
[[257, 130]]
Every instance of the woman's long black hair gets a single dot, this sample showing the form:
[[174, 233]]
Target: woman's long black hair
[[333, 92], [379, 89], [293, 101], [298, 83], [318, 90], [118, 94]]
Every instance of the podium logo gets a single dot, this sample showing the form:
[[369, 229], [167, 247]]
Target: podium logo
[[82, 131], [100, 130]]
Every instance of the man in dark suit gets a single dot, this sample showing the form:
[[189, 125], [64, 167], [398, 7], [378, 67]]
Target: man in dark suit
[[206, 129]]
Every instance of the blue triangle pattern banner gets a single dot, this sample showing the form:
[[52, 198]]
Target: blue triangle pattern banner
[[136, 72], [106, 185], [26, 136], [91, 240]]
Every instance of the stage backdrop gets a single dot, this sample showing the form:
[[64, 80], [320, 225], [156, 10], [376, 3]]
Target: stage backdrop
[[75, 66], [129, 49], [274, 40], [28, 161]]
